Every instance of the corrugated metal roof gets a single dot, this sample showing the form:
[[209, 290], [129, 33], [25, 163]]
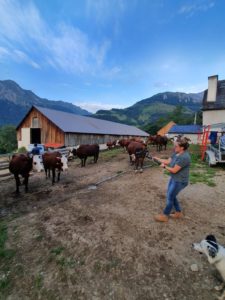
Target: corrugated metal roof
[[185, 129], [68, 122]]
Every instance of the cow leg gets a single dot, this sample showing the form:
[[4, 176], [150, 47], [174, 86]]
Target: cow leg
[[26, 182], [53, 176], [46, 172], [58, 175], [16, 176], [141, 164], [136, 164], [96, 157], [85, 161]]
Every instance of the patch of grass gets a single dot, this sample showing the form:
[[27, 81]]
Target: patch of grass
[[108, 154], [119, 172], [57, 250], [69, 262], [200, 172], [38, 281], [112, 264], [4, 253], [4, 282], [39, 237]]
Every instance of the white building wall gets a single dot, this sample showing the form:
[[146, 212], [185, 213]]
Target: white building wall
[[25, 138], [213, 116]]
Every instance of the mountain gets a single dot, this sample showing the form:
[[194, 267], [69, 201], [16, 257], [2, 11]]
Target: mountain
[[151, 109], [15, 103]]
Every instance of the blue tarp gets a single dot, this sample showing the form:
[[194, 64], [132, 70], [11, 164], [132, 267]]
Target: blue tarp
[[184, 129]]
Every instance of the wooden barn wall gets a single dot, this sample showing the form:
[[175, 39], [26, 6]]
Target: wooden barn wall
[[75, 139], [49, 132]]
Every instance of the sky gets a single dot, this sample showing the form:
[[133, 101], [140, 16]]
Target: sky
[[103, 54]]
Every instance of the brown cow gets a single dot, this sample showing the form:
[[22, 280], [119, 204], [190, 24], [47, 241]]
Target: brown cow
[[22, 164], [111, 144], [83, 151], [137, 152], [54, 161], [158, 140], [124, 143]]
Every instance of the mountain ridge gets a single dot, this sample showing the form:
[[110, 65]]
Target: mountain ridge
[[14, 99]]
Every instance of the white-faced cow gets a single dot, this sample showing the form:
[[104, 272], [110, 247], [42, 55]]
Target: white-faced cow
[[54, 161], [22, 164], [137, 152]]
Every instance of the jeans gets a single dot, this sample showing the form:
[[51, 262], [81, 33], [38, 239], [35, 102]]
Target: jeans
[[173, 190]]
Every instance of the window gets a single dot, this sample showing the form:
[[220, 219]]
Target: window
[[35, 123]]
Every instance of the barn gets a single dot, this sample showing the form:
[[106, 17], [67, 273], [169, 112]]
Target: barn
[[165, 129], [193, 132], [46, 126], [213, 106]]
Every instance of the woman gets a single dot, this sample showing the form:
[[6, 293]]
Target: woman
[[178, 165]]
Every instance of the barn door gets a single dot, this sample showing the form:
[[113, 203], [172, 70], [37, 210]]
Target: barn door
[[35, 135]]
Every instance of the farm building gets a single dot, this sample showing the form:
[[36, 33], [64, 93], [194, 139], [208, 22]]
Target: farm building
[[45, 126], [214, 101], [165, 129], [193, 132]]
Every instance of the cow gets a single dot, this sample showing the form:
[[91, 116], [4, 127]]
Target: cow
[[158, 140], [124, 143], [54, 161], [22, 164], [161, 141], [137, 152], [111, 144], [83, 151]]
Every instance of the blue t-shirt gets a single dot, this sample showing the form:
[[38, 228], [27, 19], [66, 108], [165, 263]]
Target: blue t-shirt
[[35, 151], [183, 160]]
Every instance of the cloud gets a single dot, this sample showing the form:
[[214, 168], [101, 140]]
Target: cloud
[[196, 6], [64, 47], [95, 106], [3, 52], [18, 56]]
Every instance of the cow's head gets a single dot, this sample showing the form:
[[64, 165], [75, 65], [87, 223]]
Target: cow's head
[[37, 163], [64, 161]]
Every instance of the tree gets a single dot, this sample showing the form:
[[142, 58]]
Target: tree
[[8, 141], [179, 115]]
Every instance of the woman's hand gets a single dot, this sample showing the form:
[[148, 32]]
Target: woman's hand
[[157, 158]]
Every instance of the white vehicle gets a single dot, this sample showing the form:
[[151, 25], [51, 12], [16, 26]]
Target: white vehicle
[[215, 153]]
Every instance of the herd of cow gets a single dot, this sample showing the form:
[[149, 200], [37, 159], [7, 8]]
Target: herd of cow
[[50, 162]]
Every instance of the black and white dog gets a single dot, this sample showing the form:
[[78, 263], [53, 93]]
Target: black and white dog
[[216, 256]]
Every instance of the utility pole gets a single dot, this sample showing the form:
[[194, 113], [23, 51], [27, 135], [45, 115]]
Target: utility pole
[[195, 119]]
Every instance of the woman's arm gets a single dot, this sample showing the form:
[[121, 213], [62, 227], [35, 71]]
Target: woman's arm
[[173, 170], [163, 161]]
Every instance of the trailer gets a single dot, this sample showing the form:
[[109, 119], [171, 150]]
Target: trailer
[[214, 153]]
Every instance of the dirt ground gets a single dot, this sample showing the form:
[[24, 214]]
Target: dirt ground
[[92, 237]]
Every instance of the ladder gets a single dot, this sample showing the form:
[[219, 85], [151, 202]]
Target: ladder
[[205, 137]]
